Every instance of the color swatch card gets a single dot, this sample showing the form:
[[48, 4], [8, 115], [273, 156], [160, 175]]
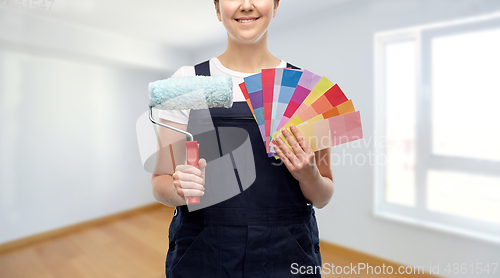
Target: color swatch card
[[344, 108], [253, 84], [306, 84], [340, 109], [321, 111], [285, 82], [330, 132], [267, 96], [278, 76], [243, 88], [330, 99], [323, 86]]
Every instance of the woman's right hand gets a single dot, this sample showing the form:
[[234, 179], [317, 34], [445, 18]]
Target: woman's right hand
[[189, 181]]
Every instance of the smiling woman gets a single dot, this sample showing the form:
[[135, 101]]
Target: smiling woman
[[246, 23], [265, 222], [254, 20]]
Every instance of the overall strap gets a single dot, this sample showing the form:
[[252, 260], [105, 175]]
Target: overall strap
[[288, 65], [202, 69]]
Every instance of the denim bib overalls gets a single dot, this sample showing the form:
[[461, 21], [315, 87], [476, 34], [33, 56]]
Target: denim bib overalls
[[267, 230]]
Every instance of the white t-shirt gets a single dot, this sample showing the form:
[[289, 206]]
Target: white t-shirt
[[216, 68]]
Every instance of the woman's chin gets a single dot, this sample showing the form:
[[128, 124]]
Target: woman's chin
[[249, 39]]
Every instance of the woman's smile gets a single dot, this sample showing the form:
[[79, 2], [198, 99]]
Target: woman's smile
[[245, 20]]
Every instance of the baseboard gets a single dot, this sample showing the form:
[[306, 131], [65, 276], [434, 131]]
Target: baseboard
[[357, 256], [8, 246]]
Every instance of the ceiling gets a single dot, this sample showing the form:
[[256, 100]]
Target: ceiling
[[175, 23]]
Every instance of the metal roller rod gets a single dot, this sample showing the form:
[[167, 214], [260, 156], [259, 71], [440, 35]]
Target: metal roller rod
[[189, 136]]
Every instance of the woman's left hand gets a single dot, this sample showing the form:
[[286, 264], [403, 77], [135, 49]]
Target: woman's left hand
[[302, 163]]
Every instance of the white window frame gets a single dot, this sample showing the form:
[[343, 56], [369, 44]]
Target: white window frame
[[424, 159]]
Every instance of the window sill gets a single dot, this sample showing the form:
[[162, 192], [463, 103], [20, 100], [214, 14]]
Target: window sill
[[439, 227]]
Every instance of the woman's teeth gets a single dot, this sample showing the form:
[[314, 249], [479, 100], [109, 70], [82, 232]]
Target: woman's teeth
[[246, 20]]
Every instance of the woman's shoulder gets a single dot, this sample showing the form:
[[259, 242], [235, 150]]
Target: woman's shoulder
[[188, 71]]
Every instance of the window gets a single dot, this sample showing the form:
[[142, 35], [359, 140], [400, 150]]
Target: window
[[438, 126]]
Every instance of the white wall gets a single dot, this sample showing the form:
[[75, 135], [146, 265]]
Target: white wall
[[69, 101], [338, 43]]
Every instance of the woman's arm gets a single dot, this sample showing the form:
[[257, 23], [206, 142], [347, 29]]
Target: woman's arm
[[319, 193], [311, 169], [164, 190], [172, 180]]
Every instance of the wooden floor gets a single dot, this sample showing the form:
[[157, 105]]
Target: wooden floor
[[134, 246]]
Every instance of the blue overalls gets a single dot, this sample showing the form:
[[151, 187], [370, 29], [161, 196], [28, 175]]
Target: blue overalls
[[268, 230]]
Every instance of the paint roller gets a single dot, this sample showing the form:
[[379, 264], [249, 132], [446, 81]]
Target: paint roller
[[197, 92]]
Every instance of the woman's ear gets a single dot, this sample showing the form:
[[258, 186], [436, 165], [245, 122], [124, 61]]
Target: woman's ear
[[217, 11], [276, 7]]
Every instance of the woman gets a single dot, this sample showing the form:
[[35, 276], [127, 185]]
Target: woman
[[269, 230]]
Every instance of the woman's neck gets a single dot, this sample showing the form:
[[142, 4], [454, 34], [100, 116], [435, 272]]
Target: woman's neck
[[248, 58]]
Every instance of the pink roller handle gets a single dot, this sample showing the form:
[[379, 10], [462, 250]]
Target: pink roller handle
[[192, 158]]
